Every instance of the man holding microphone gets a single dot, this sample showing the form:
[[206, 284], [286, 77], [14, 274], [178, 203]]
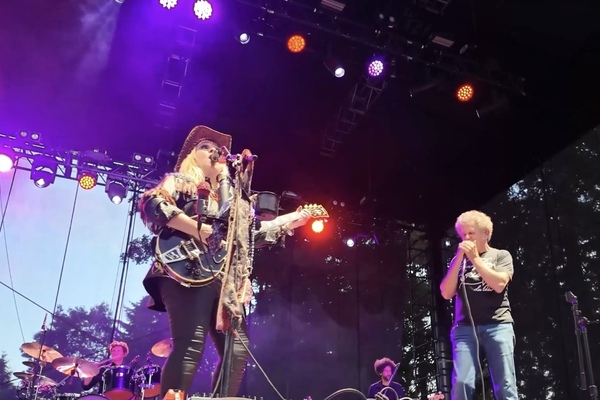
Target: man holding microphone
[[479, 276]]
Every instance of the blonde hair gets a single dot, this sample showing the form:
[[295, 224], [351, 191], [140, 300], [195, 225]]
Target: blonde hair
[[189, 167], [122, 344], [481, 220]]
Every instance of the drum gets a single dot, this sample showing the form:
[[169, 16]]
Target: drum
[[67, 396], [148, 378], [118, 383], [93, 397]]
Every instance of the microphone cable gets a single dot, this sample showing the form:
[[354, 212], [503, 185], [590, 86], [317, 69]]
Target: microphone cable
[[477, 345]]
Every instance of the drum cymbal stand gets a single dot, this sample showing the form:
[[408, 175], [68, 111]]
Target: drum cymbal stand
[[38, 374]]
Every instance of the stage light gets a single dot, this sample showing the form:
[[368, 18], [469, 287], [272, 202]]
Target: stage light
[[317, 226], [34, 136], [350, 242], [244, 38], [168, 4], [43, 175], [116, 191], [87, 180], [375, 68], [203, 9], [334, 66], [142, 159], [464, 92], [296, 43], [6, 162]]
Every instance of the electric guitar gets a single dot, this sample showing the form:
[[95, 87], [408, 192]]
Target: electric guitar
[[188, 261]]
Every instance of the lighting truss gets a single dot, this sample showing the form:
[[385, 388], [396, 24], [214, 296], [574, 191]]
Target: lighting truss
[[70, 163], [392, 44], [434, 6], [361, 97], [174, 75]]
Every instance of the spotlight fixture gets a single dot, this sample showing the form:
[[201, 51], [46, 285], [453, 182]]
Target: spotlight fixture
[[87, 180], [464, 93], [43, 175], [7, 161], [143, 159], [203, 9], [318, 226], [243, 38], [296, 43], [116, 191], [168, 4], [334, 66], [375, 68]]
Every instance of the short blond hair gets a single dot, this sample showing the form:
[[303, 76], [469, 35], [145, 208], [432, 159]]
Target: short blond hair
[[481, 220], [122, 344]]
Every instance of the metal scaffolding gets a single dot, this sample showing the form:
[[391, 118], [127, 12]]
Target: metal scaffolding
[[138, 174], [360, 99]]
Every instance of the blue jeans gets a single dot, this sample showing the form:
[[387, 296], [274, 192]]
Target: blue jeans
[[497, 341]]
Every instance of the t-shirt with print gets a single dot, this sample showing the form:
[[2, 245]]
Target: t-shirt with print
[[486, 305]]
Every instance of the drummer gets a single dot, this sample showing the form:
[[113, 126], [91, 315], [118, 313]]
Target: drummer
[[118, 351]]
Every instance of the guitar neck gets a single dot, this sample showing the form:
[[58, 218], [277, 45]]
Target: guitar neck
[[279, 221]]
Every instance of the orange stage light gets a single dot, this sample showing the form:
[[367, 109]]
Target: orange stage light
[[296, 43], [464, 93], [87, 181]]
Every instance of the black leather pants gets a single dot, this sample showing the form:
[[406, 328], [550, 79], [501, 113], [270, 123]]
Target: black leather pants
[[192, 313]]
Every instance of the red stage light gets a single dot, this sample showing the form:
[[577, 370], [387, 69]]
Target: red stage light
[[318, 226], [464, 92]]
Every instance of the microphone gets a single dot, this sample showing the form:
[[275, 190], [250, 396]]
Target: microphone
[[571, 298], [219, 155], [134, 360], [224, 181], [44, 323], [203, 191]]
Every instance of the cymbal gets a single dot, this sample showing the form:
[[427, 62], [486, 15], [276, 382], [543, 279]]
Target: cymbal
[[163, 348], [32, 349], [78, 366], [33, 364], [42, 380]]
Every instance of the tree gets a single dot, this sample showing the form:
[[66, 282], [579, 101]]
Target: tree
[[8, 390], [79, 332]]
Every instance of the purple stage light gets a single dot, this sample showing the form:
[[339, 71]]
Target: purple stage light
[[203, 9], [6, 163], [168, 3], [375, 68]]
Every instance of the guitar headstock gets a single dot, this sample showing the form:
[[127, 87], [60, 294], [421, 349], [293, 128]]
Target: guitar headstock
[[437, 396], [316, 210]]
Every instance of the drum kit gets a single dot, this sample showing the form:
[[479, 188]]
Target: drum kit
[[118, 382]]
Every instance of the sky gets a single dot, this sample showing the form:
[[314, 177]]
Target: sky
[[33, 240]]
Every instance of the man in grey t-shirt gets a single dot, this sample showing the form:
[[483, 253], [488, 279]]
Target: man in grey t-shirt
[[479, 276]]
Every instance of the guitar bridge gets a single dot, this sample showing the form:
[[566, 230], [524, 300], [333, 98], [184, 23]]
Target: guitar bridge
[[186, 250]]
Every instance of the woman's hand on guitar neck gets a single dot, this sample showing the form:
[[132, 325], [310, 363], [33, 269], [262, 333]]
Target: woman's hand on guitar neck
[[304, 216]]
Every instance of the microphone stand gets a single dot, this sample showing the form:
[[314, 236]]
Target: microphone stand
[[35, 381], [581, 323], [237, 163]]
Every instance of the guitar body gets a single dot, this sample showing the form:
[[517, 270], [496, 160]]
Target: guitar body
[[187, 260]]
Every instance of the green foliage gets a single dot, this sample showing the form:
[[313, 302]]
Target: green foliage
[[140, 250], [79, 332], [7, 387]]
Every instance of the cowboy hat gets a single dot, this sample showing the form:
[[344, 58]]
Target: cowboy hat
[[198, 134]]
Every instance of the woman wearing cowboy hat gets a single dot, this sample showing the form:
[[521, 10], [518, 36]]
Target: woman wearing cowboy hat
[[193, 310]]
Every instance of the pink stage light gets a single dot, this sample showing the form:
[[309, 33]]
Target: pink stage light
[[168, 3], [6, 163], [375, 68], [203, 9]]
